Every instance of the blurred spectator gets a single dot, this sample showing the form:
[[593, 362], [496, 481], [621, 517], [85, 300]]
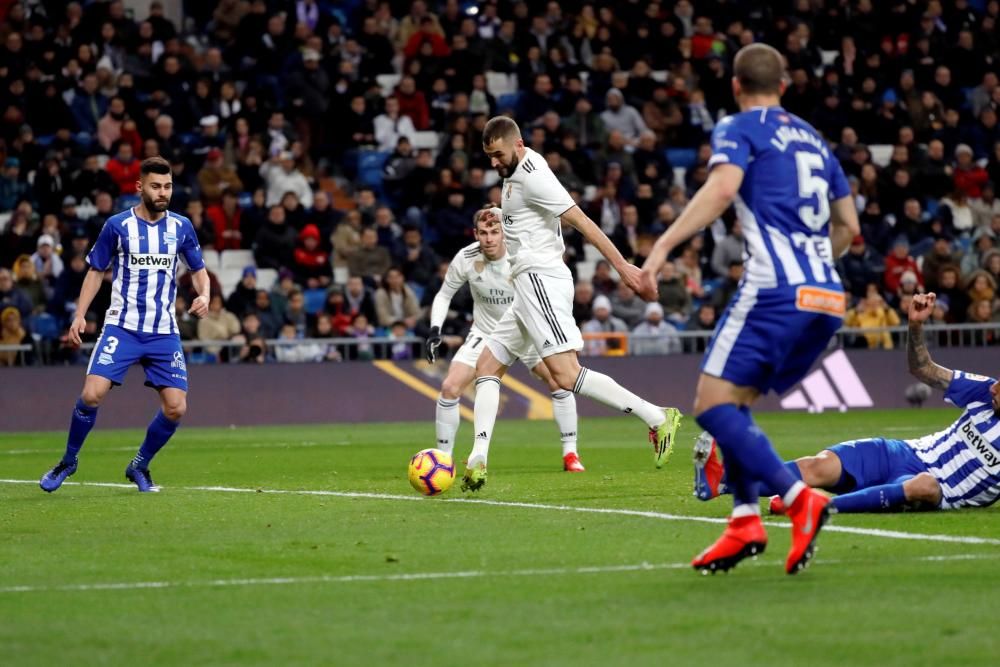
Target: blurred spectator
[[704, 319], [723, 294], [275, 242], [12, 332], [124, 168], [626, 305], [985, 207], [359, 299], [604, 284], [969, 176], [583, 297], [940, 254], [860, 266], [224, 217], [369, 260], [218, 324], [27, 280], [603, 322], [244, 297], [215, 179], [654, 335], [281, 175], [312, 264], [872, 312], [205, 230], [361, 330], [674, 295], [728, 250], [980, 286], [91, 179], [950, 287], [12, 188], [395, 301], [187, 324], [418, 261], [619, 116], [391, 125], [899, 262], [955, 210], [12, 295], [296, 353], [346, 239]]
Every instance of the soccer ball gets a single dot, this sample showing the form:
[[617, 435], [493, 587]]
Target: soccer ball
[[431, 471]]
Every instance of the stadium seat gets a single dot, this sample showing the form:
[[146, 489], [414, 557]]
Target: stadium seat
[[340, 275], [266, 278], [585, 270], [500, 83], [682, 157], [429, 140], [881, 154], [387, 83], [314, 298], [211, 258], [508, 101], [45, 326], [370, 165], [235, 259], [659, 75], [229, 278], [679, 174]]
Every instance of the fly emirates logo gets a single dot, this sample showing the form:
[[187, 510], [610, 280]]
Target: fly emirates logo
[[151, 262]]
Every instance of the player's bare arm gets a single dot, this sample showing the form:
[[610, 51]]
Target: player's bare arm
[[91, 285], [582, 223], [711, 201], [202, 285], [844, 225], [917, 357]]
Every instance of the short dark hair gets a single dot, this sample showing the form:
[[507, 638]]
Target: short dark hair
[[500, 127], [759, 68], [154, 165]]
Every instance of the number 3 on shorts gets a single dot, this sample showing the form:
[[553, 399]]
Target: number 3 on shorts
[[111, 346]]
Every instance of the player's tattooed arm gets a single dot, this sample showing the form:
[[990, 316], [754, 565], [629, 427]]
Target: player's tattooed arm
[[917, 356]]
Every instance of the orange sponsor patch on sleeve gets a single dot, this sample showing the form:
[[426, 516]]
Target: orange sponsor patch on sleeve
[[819, 300]]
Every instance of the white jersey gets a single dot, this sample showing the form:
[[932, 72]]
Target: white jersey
[[532, 200], [965, 457], [492, 292]]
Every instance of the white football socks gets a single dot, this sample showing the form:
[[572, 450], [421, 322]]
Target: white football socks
[[487, 405], [564, 411], [604, 389], [446, 420]]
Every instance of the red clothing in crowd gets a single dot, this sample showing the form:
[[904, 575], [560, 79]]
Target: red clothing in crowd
[[971, 180], [895, 268], [311, 263], [439, 46], [227, 230], [124, 174], [414, 106]]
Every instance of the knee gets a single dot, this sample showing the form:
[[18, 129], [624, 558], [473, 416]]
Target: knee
[[565, 379], [821, 471], [451, 389], [174, 409], [92, 397], [923, 488]]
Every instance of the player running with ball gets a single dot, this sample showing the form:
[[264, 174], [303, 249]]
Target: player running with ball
[[797, 215], [484, 266], [140, 246], [533, 203]]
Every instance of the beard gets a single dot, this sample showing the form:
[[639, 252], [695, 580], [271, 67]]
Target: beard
[[507, 169], [155, 205]]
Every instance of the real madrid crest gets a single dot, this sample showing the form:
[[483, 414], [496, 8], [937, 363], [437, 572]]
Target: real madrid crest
[[510, 188]]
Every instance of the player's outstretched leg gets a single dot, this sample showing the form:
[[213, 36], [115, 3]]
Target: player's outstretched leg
[[662, 422], [160, 430], [745, 535], [95, 388]]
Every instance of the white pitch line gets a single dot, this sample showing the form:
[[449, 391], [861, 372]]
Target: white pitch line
[[422, 576], [647, 514], [132, 448]]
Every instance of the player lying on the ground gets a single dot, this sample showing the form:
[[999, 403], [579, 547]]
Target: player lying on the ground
[[956, 467], [534, 206], [484, 266]]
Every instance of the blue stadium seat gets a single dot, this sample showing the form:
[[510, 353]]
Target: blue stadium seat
[[244, 200], [45, 326], [682, 157], [508, 101], [314, 298], [370, 165]]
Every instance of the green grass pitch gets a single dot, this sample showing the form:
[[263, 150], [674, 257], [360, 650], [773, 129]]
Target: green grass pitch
[[104, 575]]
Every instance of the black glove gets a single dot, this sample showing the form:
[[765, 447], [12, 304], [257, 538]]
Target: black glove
[[431, 344]]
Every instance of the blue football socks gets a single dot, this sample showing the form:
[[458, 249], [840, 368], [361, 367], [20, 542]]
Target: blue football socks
[[80, 424], [883, 498], [159, 431]]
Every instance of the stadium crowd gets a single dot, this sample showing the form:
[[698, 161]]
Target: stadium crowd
[[335, 147]]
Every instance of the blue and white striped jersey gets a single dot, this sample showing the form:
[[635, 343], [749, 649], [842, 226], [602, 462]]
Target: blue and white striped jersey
[[965, 457], [790, 178], [143, 259]]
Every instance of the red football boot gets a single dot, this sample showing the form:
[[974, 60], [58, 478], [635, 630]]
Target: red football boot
[[743, 537], [708, 468], [808, 513], [571, 463]]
